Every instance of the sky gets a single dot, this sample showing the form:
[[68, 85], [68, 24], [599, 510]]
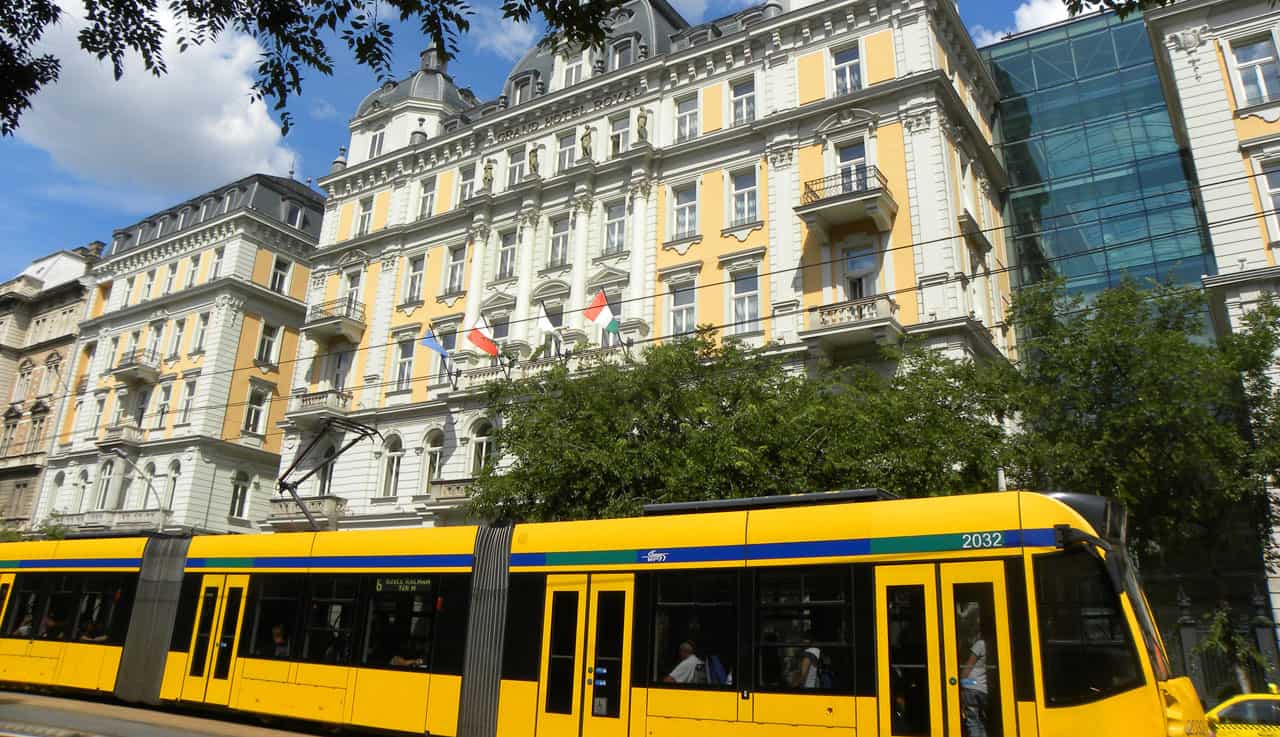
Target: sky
[[92, 154]]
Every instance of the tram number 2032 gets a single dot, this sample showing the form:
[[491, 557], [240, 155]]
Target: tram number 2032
[[980, 540]]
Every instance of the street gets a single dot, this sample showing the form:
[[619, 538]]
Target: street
[[28, 715]]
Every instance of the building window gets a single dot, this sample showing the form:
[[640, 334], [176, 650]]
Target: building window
[[744, 197], [175, 337], [215, 270], [280, 275], [615, 228], [482, 448], [1257, 66], [227, 202], [375, 143], [622, 54], [457, 262], [859, 263], [521, 92], [49, 379], [171, 277], [140, 409], [609, 338], [686, 118], [413, 291], [427, 199], [435, 457], [467, 182], [847, 71], [559, 255], [148, 285], [293, 215], [404, 364], [326, 472], [128, 289], [175, 473], [193, 269], [104, 483], [23, 387], [746, 302], [507, 255], [365, 220], [685, 217], [683, 307], [448, 336], [153, 340], [162, 409], [744, 101], [501, 326], [564, 151], [852, 163], [267, 343], [188, 399], [117, 412], [573, 71], [202, 329], [515, 166], [239, 494], [255, 415], [99, 409], [35, 436], [552, 343], [619, 135], [6, 440], [391, 472], [351, 290]]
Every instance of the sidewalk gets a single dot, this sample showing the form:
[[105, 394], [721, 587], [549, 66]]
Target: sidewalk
[[30, 715]]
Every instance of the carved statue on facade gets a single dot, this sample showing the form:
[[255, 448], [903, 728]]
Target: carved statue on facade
[[642, 123], [533, 160], [488, 175], [586, 142]]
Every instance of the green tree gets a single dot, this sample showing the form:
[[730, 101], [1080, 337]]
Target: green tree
[[698, 419], [1127, 397], [295, 36]]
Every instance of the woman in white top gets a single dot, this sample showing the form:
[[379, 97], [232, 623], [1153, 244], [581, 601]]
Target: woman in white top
[[973, 675]]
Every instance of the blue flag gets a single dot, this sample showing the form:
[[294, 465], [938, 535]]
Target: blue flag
[[429, 340]]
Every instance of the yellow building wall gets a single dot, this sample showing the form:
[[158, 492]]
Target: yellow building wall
[[892, 160], [811, 71], [712, 109], [279, 399], [298, 282], [881, 64], [99, 298], [444, 191], [381, 206], [263, 260], [238, 394], [344, 220], [372, 274], [1256, 194]]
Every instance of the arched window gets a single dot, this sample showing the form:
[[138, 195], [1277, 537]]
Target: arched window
[[52, 369], [239, 494], [104, 483], [126, 485], [23, 386], [434, 462], [149, 486], [82, 492], [175, 472], [391, 471], [326, 473], [58, 482], [482, 448]]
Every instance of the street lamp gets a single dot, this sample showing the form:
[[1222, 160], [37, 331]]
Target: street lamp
[[119, 453]]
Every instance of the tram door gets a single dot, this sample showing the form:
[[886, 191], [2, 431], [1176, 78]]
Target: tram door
[[214, 642], [586, 656]]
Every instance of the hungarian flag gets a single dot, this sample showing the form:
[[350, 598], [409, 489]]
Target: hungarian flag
[[481, 337], [599, 313], [544, 320]]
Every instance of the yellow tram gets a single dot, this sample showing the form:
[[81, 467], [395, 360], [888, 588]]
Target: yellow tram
[[821, 615]]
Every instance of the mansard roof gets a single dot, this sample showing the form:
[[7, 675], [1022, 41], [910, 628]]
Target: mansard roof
[[429, 83]]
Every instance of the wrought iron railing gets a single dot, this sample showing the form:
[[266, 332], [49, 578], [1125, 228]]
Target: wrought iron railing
[[342, 307], [852, 180]]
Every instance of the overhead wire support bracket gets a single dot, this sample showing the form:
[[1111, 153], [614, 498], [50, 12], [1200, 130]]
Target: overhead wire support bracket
[[283, 484]]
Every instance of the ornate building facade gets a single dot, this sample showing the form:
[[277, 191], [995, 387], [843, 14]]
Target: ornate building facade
[[40, 311], [180, 371], [814, 177]]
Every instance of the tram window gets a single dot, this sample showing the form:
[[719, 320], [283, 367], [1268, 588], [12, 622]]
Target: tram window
[[449, 645], [1024, 685], [272, 617], [522, 642], [562, 652], [331, 617], [804, 637], [398, 634], [27, 607], [908, 661], [695, 630], [864, 630], [102, 614], [1086, 648], [185, 619], [63, 595]]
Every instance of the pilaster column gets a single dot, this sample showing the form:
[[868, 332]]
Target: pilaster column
[[578, 281], [639, 217], [477, 240], [522, 327]]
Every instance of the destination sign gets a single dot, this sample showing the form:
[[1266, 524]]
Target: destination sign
[[403, 584]]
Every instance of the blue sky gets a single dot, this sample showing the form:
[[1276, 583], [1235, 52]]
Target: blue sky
[[93, 155]]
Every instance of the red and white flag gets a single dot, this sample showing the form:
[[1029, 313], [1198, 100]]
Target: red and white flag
[[482, 337]]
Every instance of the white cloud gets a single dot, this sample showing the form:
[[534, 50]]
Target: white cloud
[[1030, 14], [322, 109], [159, 138], [502, 36]]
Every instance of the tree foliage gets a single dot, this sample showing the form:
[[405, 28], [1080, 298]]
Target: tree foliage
[[697, 419], [295, 36]]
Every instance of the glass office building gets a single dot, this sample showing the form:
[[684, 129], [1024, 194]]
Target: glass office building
[[1098, 187]]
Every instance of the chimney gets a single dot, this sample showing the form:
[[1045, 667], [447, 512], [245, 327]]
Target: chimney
[[433, 60], [339, 163]]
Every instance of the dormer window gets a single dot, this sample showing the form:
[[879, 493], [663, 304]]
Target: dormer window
[[522, 91], [182, 218], [226, 202], [293, 215], [573, 71], [623, 53], [375, 143]]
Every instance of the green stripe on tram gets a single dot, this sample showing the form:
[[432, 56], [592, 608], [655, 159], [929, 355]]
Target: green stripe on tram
[[917, 544], [592, 557], [230, 563]]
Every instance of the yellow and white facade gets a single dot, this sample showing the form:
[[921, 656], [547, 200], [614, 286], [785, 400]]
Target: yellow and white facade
[[181, 365], [817, 178]]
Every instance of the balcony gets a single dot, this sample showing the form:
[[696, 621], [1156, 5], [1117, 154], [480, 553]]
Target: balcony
[[868, 320], [28, 460], [138, 367], [286, 515], [850, 197], [122, 436], [313, 408], [115, 519], [451, 490], [342, 317]]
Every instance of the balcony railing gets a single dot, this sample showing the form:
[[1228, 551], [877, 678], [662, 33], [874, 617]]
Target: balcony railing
[[139, 365], [116, 519], [123, 434], [855, 310], [343, 307], [849, 181], [286, 515], [457, 489], [336, 400]]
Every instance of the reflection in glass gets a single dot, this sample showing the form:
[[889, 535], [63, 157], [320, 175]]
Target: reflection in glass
[[908, 663], [978, 660]]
